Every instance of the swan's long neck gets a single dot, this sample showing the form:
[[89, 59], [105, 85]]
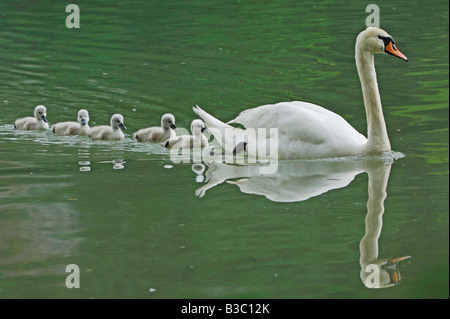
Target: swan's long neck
[[377, 136]]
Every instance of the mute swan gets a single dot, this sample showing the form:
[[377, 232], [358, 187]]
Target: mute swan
[[196, 140], [74, 128], [307, 130], [158, 134], [113, 132], [38, 122]]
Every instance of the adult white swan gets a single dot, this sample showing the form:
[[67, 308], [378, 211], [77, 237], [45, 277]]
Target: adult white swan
[[307, 130]]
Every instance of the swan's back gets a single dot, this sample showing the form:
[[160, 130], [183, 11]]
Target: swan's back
[[305, 129]]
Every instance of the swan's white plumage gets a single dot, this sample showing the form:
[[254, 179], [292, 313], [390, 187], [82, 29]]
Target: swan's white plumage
[[158, 134], [307, 130], [38, 122], [81, 127], [112, 132], [196, 140]]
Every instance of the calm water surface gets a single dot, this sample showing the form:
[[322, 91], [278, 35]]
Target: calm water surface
[[140, 226]]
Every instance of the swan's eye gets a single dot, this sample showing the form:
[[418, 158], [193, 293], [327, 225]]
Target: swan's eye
[[386, 40]]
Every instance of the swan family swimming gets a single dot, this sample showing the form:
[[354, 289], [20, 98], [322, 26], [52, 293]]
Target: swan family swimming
[[305, 130], [165, 133]]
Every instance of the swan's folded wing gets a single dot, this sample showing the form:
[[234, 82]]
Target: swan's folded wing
[[305, 122]]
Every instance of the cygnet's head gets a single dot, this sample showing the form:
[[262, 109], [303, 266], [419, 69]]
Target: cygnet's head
[[377, 40], [197, 127], [168, 121], [117, 121], [40, 113], [83, 117]]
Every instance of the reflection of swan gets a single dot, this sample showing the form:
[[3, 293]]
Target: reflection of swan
[[306, 130], [300, 180], [377, 273], [292, 181]]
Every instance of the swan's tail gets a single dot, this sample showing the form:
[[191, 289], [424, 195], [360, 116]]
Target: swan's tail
[[217, 128], [210, 121]]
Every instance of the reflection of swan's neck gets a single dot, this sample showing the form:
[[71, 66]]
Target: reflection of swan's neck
[[377, 137], [378, 178]]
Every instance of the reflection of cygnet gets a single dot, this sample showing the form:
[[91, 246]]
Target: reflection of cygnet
[[199, 169], [81, 127], [38, 122], [158, 134], [113, 132], [196, 140], [118, 164]]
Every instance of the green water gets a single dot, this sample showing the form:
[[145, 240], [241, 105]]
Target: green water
[[137, 228]]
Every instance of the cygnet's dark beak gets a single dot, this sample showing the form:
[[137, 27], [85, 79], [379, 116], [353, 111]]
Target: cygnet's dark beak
[[204, 129], [122, 126], [173, 127], [240, 147], [44, 118], [83, 121]]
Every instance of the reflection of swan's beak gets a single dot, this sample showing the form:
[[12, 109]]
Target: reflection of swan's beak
[[391, 268], [394, 261]]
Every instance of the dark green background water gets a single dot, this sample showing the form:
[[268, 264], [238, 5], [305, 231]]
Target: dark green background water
[[135, 228]]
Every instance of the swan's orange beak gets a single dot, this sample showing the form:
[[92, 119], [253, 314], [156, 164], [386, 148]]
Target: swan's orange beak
[[392, 49]]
